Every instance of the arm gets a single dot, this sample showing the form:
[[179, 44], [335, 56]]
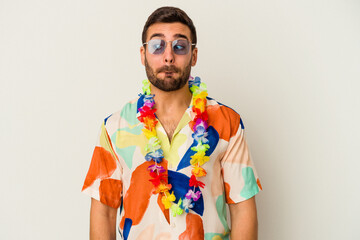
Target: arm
[[102, 221], [244, 225]]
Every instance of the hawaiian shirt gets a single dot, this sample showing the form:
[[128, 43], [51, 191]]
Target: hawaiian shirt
[[118, 175]]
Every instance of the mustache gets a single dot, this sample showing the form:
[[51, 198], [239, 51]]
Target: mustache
[[168, 69]]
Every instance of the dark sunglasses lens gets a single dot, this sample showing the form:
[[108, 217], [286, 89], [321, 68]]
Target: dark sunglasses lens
[[180, 47], [156, 46]]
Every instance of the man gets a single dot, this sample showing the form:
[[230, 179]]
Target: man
[[172, 158]]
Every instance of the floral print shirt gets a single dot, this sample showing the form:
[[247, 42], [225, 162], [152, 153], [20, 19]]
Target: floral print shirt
[[118, 175]]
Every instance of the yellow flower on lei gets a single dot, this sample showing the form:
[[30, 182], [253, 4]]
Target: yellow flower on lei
[[149, 134], [199, 103], [199, 158], [198, 171], [168, 199], [162, 188]]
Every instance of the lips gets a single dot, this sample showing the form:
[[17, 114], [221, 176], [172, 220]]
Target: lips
[[168, 69], [169, 74]]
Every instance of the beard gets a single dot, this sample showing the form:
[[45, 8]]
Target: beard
[[168, 84]]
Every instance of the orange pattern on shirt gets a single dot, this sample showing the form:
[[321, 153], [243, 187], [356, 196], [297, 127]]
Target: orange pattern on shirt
[[110, 192], [102, 166], [194, 228], [162, 207], [136, 200], [259, 184], [220, 117], [227, 193]]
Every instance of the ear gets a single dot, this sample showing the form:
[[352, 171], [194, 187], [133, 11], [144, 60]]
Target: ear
[[194, 57], [142, 55]]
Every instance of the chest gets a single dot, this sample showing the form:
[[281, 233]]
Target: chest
[[170, 123]]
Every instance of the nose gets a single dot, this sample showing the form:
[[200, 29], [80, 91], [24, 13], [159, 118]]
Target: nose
[[169, 54]]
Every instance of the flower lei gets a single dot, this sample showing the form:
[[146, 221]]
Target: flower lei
[[155, 155]]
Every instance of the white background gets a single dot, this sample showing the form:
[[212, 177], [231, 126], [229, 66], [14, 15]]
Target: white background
[[290, 68]]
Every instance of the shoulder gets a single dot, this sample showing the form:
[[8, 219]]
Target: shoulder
[[224, 119], [126, 114], [223, 111]]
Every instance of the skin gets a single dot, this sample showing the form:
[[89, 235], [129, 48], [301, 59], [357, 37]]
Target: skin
[[244, 224], [157, 64], [102, 221], [170, 106]]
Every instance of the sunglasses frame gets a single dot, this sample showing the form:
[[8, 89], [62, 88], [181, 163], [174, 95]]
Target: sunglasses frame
[[172, 46]]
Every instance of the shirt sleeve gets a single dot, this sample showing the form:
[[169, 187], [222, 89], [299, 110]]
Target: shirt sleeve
[[103, 180], [240, 178]]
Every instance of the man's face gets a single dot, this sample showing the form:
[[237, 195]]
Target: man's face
[[168, 71]]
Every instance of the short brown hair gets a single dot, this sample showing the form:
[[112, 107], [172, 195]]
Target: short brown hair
[[169, 15]]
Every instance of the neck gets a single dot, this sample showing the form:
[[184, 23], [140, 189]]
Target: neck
[[171, 102]]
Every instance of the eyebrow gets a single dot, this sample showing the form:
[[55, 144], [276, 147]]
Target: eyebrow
[[181, 36], [157, 35], [178, 35]]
